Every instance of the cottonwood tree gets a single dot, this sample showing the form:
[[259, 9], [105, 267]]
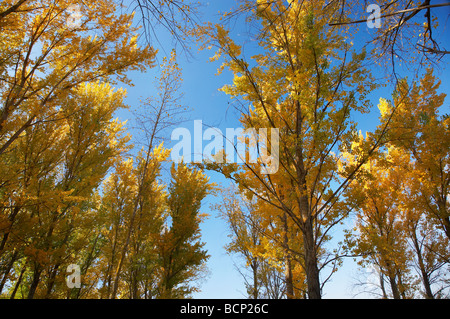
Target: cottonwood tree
[[420, 129], [161, 113], [306, 82], [59, 141], [401, 198], [58, 138], [181, 252], [51, 195], [44, 57], [379, 229], [260, 235]]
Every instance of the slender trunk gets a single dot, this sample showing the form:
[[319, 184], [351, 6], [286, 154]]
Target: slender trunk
[[393, 282], [134, 290], [443, 215], [425, 277], [107, 282], [383, 289], [38, 268], [136, 207], [401, 287], [109, 270], [311, 269], [446, 224], [146, 290], [255, 278], [51, 281], [288, 278], [136, 270], [19, 280], [11, 218], [7, 270], [123, 255], [54, 272], [309, 243], [426, 283], [288, 269], [35, 282]]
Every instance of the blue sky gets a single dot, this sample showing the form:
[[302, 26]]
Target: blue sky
[[200, 87]]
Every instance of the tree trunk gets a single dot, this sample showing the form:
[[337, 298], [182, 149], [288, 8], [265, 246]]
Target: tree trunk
[[35, 282], [8, 269], [288, 271], [51, 281], [255, 278], [446, 222], [130, 230], [11, 218], [425, 277], [123, 255], [311, 269], [393, 283], [19, 280], [443, 215], [383, 289], [309, 243]]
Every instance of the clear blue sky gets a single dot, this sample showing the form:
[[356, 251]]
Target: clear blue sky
[[208, 104]]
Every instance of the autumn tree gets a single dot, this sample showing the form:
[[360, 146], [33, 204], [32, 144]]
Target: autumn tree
[[379, 230], [45, 55], [420, 130], [401, 197], [163, 254], [151, 234], [57, 127], [58, 142], [306, 82], [422, 134], [427, 242], [64, 161], [392, 231], [245, 237], [265, 250], [116, 210], [181, 253], [164, 257], [55, 74]]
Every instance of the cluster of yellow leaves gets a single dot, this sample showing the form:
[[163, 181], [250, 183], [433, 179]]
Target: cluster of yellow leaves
[[401, 195], [68, 192], [304, 83]]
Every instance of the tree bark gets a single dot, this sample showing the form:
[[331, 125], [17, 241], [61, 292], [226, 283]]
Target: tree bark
[[51, 281], [8, 269], [311, 269], [19, 280], [255, 278], [35, 282], [11, 218], [425, 277], [393, 282], [288, 270]]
